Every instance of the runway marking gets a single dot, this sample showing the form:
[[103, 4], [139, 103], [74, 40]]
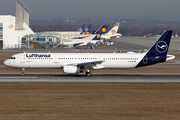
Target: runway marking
[[18, 77]]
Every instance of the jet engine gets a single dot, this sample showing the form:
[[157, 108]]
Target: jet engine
[[71, 69]]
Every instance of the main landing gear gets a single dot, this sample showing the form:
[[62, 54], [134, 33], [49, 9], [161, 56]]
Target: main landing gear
[[23, 69], [88, 73]]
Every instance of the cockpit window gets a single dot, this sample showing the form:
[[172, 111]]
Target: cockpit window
[[12, 58]]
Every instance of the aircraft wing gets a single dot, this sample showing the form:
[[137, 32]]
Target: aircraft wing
[[82, 36], [76, 44], [90, 65]]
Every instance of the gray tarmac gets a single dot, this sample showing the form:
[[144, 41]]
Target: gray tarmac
[[147, 78], [137, 44]]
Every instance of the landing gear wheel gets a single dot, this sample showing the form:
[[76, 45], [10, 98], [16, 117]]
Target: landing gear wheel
[[88, 74], [22, 74]]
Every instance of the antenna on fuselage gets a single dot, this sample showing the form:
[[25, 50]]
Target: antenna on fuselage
[[115, 50]]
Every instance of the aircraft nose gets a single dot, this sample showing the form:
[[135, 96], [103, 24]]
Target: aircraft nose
[[6, 63]]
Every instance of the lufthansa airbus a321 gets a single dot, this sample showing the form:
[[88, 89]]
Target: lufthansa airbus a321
[[79, 62]]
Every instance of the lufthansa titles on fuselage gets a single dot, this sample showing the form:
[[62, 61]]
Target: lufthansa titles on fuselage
[[38, 55]]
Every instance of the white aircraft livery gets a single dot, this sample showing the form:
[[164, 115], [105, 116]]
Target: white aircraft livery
[[74, 63], [113, 32], [85, 41]]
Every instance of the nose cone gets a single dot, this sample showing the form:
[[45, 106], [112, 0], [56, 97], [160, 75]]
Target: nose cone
[[6, 63]]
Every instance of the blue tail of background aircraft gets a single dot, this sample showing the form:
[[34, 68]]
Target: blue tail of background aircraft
[[158, 52], [93, 32], [87, 30], [81, 28], [97, 37], [102, 29]]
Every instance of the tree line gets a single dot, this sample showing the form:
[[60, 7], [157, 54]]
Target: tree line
[[125, 30]]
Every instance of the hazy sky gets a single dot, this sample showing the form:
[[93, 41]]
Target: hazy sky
[[98, 9]]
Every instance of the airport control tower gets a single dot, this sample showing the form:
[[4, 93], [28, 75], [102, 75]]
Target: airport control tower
[[13, 28]]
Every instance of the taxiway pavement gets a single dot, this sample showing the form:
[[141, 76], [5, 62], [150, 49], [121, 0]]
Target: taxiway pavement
[[148, 78]]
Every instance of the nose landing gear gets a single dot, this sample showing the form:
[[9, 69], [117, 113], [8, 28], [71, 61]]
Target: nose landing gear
[[23, 69]]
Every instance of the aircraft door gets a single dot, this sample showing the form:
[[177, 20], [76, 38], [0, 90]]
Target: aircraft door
[[22, 59], [99, 58], [56, 59]]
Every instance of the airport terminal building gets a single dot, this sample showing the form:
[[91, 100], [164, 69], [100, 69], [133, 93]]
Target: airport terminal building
[[12, 28], [15, 32], [10, 36]]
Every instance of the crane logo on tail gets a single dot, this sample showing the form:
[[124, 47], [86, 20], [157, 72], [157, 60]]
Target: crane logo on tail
[[161, 46], [98, 36], [103, 29]]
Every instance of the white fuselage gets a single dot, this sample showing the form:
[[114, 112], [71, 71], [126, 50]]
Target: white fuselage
[[79, 42], [110, 36], [64, 32], [67, 42], [78, 62], [59, 60]]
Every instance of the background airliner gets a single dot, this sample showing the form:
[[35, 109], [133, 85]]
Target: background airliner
[[81, 42], [78, 62], [111, 34], [87, 30], [85, 41], [78, 32], [78, 35]]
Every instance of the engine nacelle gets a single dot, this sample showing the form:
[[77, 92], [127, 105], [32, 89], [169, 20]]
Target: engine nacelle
[[71, 69]]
